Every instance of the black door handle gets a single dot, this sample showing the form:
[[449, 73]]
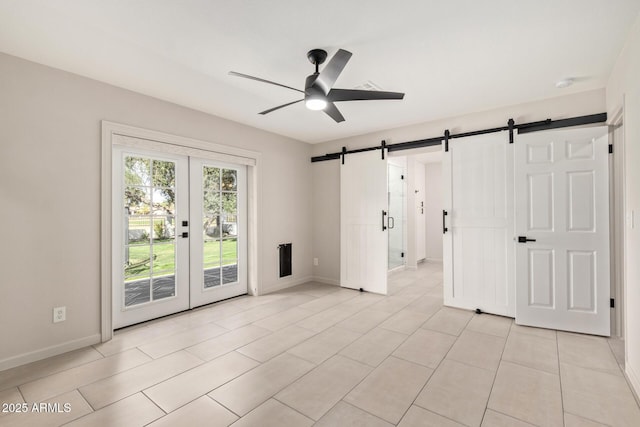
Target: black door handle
[[523, 239], [444, 228], [384, 227]]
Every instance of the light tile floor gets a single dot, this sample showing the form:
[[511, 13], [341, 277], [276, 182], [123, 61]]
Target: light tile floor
[[325, 356]]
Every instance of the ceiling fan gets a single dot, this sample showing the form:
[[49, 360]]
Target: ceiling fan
[[319, 93]]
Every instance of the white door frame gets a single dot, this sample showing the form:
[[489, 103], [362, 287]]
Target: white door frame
[[181, 145], [617, 223]]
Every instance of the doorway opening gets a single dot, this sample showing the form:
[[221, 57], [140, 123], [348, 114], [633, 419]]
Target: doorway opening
[[396, 201], [422, 204]]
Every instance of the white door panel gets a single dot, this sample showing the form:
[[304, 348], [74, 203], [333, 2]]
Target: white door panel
[[363, 241], [562, 204], [150, 260], [218, 231], [478, 250]]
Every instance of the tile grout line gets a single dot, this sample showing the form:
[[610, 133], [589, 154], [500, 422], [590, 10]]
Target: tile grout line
[[154, 402], [53, 372], [221, 404], [359, 382], [21, 395], [290, 407], [560, 378], [486, 406], [434, 370]]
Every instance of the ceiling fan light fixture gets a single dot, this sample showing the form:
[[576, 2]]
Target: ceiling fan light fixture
[[315, 103]]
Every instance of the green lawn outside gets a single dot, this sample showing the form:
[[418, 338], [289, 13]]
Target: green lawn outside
[[164, 257]]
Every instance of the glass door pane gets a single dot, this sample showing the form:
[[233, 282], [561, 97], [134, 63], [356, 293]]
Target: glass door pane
[[217, 248], [149, 244], [396, 216]]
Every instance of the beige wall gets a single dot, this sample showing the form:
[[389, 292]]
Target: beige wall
[[433, 210], [50, 198], [326, 196], [623, 88]]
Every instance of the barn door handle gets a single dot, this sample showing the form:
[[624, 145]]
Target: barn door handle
[[523, 239], [444, 228], [384, 227]]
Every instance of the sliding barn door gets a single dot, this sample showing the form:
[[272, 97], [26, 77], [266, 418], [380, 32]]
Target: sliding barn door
[[478, 224], [363, 222], [562, 227]]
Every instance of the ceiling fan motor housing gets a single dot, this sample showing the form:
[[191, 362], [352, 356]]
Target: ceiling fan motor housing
[[311, 88], [317, 56]]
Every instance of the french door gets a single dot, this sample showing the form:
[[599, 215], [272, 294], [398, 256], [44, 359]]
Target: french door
[[179, 233]]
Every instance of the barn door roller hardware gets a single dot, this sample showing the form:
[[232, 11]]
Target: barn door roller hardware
[[447, 134], [511, 126]]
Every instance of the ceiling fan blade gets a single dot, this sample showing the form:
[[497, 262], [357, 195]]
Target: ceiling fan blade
[[337, 95], [333, 112], [332, 70], [258, 79], [279, 107]]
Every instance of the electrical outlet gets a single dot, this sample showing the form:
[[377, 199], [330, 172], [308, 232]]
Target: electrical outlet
[[59, 314], [315, 262]]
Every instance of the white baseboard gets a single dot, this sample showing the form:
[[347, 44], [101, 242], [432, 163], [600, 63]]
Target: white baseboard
[[634, 381], [434, 260], [326, 280], [284, 284], [54, 350]]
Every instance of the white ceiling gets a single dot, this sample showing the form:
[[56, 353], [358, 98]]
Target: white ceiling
[[449, 57]]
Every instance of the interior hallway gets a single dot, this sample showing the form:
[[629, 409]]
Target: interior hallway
[[326, 356]]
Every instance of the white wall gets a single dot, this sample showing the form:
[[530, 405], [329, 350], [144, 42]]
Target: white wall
[[326, 235], [419, 209], [623, 89], [433, 210], [326, 221], [50, 198]]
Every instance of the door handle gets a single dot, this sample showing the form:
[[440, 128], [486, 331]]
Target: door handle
[[392, 222], [444, 228], [524, 239], [184, 235], [384, 227]]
